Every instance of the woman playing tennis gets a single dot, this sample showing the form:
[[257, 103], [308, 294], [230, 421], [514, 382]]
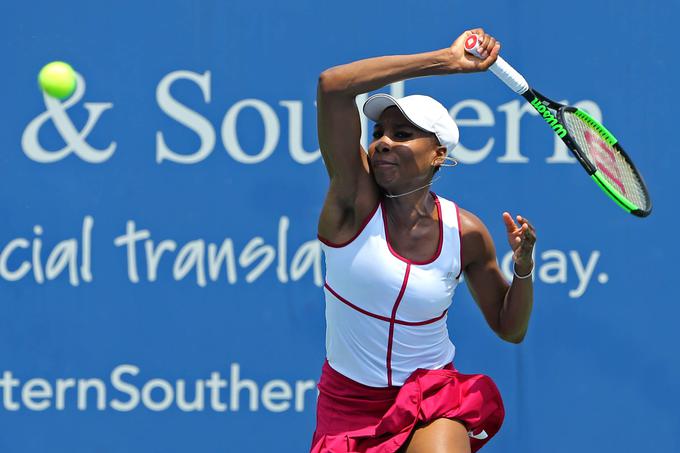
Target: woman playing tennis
[[394, 254]]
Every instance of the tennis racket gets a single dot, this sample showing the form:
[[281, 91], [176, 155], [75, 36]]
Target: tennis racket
[[596, 149]]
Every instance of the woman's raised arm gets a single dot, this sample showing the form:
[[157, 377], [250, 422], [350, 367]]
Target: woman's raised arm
[[353, 193]]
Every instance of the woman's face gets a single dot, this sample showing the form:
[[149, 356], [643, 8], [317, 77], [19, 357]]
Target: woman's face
[[401, 155]]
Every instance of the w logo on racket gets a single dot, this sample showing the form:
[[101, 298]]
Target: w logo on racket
[[471, 42], [604, 159]]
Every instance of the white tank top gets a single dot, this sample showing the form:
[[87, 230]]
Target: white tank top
[[386, 315]]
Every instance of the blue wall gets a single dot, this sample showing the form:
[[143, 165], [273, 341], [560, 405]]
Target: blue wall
[[202, 135]]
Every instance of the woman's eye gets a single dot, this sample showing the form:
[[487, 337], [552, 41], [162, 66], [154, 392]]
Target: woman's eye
[[397, 134]]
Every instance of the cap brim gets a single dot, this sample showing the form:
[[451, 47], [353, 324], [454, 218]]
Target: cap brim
[[376, 104]]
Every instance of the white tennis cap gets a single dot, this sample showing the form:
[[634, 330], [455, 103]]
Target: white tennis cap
[[423, 111]]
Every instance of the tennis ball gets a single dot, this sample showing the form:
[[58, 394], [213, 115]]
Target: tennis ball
[[58, 79]]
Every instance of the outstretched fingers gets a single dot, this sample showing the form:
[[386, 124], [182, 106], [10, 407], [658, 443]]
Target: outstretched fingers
[[521, 235], [510, 225], [529, 232]]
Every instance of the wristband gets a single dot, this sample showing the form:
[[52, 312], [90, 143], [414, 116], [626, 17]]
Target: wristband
[[523, 276]]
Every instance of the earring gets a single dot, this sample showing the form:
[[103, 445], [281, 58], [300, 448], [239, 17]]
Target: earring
[[452, 162]]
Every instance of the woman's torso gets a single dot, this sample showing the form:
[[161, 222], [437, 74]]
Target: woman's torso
[[385, 314]]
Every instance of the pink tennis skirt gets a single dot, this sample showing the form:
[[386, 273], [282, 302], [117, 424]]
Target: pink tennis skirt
[[352, 417]]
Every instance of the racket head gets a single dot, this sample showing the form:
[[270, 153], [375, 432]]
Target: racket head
[[605, 160]]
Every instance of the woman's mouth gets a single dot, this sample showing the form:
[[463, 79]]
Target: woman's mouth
[[383, 163]]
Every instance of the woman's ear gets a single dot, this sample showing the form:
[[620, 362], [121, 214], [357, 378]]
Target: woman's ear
[[440, 156]]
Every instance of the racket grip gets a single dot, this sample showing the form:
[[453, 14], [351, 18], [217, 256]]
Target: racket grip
[[500, 68]]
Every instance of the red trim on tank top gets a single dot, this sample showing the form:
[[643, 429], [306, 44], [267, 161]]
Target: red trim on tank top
[[382, 318], [460, 242], [439, 244], [361, 228], [392, 320], [350, 304]]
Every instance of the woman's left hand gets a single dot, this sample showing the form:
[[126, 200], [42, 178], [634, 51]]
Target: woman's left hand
[[522, 238]]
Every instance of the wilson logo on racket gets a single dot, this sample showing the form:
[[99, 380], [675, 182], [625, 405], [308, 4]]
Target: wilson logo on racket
[[549, 118]]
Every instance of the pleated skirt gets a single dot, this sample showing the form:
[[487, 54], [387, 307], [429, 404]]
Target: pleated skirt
[[352, 417]]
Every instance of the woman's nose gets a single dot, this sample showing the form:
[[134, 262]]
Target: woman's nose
[[384, 144]]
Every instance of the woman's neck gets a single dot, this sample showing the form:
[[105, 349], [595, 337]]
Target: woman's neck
[[409, 209]]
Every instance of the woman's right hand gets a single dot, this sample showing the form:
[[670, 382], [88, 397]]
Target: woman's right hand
[[462, 61]]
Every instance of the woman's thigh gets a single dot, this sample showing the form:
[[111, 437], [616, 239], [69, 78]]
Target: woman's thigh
[[443, 435]]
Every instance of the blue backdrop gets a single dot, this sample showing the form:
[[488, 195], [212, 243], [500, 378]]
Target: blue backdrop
[[159, 270]]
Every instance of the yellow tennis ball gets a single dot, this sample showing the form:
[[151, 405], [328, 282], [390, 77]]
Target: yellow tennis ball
[[58, 79]]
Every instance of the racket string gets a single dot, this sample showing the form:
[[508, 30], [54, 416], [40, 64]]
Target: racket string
[[612, 165]]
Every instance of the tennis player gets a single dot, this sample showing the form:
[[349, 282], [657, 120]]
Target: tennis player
[[395, 252]]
